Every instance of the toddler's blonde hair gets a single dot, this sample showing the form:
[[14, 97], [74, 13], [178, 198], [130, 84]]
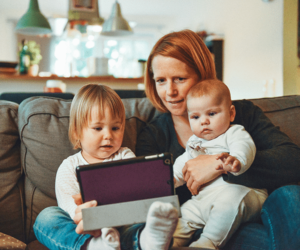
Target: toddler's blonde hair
[[89, 96]]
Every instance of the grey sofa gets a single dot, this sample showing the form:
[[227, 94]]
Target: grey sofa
[[34, 141]]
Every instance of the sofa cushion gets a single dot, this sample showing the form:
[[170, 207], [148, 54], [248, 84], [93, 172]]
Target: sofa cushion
[[11, 191], [9, 242], [43, 127], [284, 112]]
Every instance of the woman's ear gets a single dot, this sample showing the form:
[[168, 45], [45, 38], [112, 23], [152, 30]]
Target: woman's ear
[[232, 113]]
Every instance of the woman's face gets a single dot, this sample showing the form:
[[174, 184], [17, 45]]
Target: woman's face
[[173, 80]]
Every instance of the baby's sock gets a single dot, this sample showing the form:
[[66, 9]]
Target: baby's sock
[[160, 225], [112, 237], [109, 240]]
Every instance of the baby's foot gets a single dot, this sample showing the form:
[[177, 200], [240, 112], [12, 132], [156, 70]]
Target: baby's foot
[[111, 237], [161, 222], [203, 242], [109, 240]]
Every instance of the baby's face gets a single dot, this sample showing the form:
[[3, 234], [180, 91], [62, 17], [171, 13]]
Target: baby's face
[[102, 137], [208, 116]]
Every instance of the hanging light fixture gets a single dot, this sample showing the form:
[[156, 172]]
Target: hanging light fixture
[[116, 25], [33, 22]]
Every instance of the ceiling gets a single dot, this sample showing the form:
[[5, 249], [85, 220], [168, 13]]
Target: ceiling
[[129, 7]]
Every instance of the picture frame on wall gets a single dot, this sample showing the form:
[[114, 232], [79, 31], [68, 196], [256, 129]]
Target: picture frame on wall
[[83, 5]]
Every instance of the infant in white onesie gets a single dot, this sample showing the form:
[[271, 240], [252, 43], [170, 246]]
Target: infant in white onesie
[[219, 207]]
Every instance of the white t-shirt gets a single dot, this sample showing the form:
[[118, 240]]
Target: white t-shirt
[[236, 141], [66, 183]]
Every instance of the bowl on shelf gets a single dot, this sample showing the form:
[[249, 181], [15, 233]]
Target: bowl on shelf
[[8, 67]]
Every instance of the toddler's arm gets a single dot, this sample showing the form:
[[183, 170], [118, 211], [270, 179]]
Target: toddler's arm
[[66, 185]]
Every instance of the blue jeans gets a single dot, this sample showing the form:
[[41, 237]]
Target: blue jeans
[[280, 228], [55, 229], [281, 224]]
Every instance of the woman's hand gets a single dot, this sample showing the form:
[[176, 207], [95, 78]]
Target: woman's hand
[[78, 215], [201, 170]]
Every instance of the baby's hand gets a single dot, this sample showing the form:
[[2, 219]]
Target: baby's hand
[[230, 163]]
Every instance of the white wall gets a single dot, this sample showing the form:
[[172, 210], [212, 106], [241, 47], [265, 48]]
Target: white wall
[[252, 31], [8, 45], [253, 42]]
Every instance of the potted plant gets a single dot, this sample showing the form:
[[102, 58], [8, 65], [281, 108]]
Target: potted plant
[[31, 52]]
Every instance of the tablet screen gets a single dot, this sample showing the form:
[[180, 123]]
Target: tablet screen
[[127, 180]]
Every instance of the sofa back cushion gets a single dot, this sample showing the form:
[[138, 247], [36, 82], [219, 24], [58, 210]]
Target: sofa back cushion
[[284, 112], [11, 188], [43, 128]]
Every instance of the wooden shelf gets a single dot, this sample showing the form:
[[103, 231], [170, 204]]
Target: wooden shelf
[[100, 79]]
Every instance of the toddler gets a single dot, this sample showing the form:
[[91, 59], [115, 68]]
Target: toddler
[[97, 123], [219, 207]]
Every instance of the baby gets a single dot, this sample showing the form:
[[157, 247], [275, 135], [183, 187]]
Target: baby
[[219, 207]]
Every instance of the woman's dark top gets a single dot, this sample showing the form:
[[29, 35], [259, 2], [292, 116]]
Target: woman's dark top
[[277, 160]]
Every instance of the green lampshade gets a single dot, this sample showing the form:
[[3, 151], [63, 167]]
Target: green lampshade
[[33, 22]]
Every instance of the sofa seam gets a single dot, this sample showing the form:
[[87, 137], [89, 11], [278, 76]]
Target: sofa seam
[[22, 131], [31, 205], [283, 109], [22, 206]]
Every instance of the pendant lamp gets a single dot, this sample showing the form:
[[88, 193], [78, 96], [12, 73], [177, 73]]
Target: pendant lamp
[[116, 25], [33, 21]]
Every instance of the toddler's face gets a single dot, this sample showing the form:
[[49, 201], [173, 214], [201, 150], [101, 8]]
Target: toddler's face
[[102, 137], [209, 117]]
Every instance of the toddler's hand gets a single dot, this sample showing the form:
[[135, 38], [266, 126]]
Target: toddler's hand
[[78, 218], [230, 163], [77, 199]]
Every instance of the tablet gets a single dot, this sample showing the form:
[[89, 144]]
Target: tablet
[[139, 178]]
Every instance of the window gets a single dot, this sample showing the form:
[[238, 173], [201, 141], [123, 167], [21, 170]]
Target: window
[[99, 55]]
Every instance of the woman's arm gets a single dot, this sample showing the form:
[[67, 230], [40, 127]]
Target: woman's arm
[[159, 136], [277, 160]]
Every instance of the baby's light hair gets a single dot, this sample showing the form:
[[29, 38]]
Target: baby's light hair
[[211, 87], [89, 96]]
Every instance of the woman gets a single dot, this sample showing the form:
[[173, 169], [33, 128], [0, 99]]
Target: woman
[[177, 62]]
